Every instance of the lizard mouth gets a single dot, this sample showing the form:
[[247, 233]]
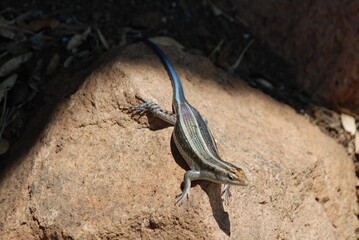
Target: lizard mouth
[[244, 183]]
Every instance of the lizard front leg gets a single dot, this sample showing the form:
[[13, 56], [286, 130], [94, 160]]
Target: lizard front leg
[[189, 176], [156, 110], [226, 193]]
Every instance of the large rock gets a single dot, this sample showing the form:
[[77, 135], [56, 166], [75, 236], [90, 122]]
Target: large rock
[[96, 173]]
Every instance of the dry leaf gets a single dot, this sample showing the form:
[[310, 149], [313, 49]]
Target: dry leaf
[[4, 146], [54, 62], [7, 32], [3, 54], [14, 64], [77, 39], [35, 78], [264, 83], [102, 39], [38, 40], [348, 123], [7, 84], [68, 61], [82, 54], [37, 25], [216, 10], [25, 16], [167, 41], [219, 12]]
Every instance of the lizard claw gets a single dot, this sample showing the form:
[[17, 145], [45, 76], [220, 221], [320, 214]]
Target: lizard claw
[[142, 108], [227, 194], [180, 197]]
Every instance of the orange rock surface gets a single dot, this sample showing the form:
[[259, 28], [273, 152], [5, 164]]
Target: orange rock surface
[[97, 173]]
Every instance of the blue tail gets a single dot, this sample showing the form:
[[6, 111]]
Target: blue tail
[[178, 92]]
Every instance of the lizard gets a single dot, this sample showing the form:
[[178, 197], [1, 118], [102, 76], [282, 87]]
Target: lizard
[[192, 137]]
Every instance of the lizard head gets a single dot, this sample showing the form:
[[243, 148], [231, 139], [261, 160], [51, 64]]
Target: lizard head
[[236, 176]]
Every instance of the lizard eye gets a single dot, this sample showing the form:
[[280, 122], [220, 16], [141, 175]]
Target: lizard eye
[[231, 177]]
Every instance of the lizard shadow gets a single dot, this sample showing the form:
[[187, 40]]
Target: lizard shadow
[[212, 190], [154, 123]]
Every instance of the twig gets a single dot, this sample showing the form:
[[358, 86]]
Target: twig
[[236, 64]]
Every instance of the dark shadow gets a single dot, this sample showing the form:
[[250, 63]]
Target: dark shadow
[[178, 157], [154, 123], [214, 193], [54, 93]]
